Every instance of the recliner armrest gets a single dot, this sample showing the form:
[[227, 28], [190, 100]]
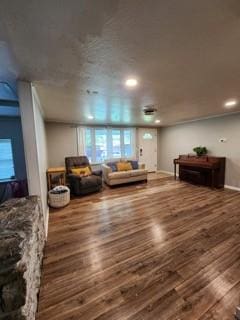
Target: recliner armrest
[[73, 177], [97, 173]]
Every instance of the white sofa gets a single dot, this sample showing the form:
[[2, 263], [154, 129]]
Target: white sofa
[[118, 177]]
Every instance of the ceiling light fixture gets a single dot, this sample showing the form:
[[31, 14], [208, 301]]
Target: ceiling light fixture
[[149, 110], [157, 121], [230, 103], [131, 82], [90, 117]]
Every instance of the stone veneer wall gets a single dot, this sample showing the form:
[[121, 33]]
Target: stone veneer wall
[[21, 250]]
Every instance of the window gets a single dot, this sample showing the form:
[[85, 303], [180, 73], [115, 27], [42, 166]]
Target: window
[[116, 143], [147, 136], [127, 143], [88, 144], [108, 143], [100, 145], [6, 160]]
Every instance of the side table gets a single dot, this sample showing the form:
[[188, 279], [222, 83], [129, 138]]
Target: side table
[[56, 176]]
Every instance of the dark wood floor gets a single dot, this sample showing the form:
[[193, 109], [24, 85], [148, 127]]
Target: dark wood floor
[[163, 250]]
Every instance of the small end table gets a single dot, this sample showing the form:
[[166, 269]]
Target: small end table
[[59, 173]]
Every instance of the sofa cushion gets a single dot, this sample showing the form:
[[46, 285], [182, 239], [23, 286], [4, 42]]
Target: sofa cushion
[[124, 166], [134, 164], [113, 166], [119, 175], [138, 172]]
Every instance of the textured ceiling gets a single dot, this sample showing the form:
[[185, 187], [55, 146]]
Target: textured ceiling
[[185, 54]]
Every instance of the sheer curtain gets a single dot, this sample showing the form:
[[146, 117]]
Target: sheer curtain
[[81, 141]]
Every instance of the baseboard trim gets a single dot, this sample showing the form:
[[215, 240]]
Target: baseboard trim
[[225, 186], [231, 188]]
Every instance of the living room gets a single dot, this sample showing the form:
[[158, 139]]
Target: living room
[[120, 160]]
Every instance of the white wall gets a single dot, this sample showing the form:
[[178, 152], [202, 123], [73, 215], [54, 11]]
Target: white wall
[[61, 143], [181, 139], [35, 147], [42, 152]]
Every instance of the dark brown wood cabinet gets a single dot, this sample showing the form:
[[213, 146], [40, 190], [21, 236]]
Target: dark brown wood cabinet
[[203, 170]]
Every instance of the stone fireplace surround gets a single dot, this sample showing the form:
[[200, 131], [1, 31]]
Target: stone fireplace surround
[[22, 241]]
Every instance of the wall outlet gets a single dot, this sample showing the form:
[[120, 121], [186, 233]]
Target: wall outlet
[[223, 140]]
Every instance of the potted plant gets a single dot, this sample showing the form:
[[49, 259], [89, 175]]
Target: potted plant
[[200, 151]]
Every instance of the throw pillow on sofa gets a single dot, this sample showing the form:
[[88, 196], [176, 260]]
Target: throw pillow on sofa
[[124, 166], [134, 164], [113, 166]]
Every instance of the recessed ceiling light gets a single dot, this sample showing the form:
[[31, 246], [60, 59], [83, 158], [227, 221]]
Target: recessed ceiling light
[[157, 121], [90, 117], [230, 103], [131, 82]]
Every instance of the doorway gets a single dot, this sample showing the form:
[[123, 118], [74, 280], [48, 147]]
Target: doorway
[[147, 148]]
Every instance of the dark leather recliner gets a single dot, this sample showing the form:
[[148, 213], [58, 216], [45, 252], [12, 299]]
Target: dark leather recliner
[[82, 185]]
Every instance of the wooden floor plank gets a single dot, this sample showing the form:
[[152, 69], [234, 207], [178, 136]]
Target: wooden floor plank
[[158, 250]]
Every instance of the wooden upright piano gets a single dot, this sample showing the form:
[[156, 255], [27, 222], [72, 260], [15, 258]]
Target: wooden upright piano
[[203, 170]]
